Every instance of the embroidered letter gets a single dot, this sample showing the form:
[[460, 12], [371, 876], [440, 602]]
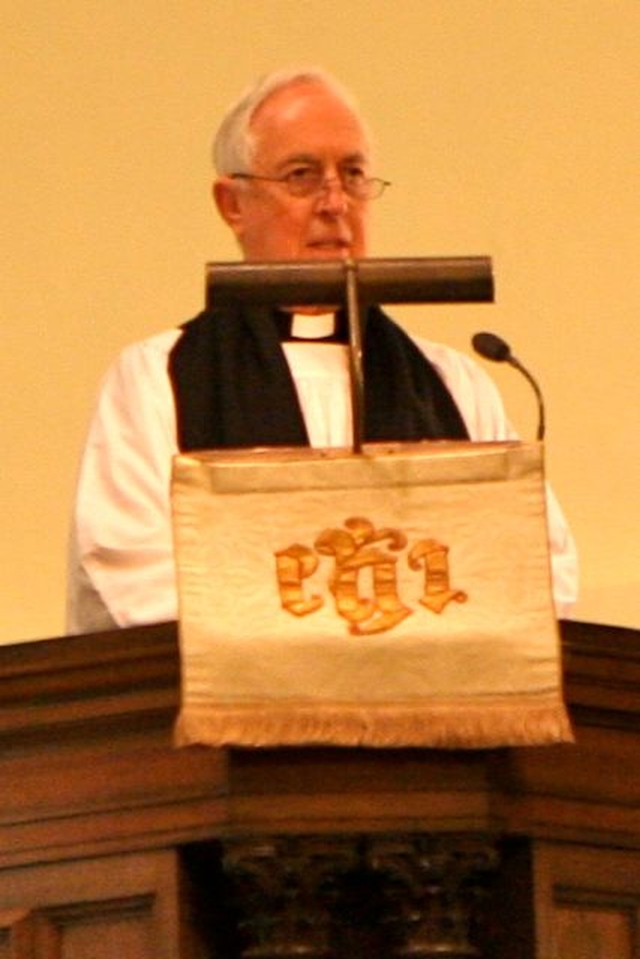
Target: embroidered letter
[[353, 552], [292, 566], [433, 556]]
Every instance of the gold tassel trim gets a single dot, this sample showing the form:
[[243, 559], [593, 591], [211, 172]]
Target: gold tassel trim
[[450, 726]]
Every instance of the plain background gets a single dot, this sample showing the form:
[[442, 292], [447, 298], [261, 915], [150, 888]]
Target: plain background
[[508, 128]]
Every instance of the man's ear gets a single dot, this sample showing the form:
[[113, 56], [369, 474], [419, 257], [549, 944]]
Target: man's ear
[[226, 197]]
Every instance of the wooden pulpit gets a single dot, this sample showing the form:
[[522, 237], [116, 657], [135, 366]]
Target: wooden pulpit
[[114, 843]]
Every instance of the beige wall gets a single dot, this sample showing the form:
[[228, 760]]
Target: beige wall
[[508, 128]]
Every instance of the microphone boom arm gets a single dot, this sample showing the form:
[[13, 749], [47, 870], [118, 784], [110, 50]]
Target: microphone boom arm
[[513, 361]]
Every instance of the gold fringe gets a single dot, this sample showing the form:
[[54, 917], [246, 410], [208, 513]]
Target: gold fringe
[[451, 726]]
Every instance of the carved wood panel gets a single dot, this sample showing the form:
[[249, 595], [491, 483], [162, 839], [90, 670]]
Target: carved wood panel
[[588, 902], [98, 929], [596, 931], [116, 907], [345, 896]]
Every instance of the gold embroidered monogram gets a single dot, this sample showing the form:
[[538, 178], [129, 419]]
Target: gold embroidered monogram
[[357, 557]]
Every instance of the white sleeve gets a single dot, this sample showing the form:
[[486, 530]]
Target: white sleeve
[[121, 553], [480, 404], [476, 395]]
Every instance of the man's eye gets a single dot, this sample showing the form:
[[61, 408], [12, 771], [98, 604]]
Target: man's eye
[[354, 174], [301, 174]]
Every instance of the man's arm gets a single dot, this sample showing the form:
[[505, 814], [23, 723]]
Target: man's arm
[[121, 552], [483, 411]]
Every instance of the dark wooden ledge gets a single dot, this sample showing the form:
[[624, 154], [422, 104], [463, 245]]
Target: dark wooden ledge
[[137, 671]]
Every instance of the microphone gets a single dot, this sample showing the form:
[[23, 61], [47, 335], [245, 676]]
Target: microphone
[[492, 347]]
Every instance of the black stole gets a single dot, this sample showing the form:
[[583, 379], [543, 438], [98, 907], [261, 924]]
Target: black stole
[[233, 387]]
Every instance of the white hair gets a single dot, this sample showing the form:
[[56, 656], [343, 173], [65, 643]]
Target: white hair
[[233, 144]]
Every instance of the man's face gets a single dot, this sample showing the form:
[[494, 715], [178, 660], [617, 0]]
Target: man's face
[[300, 126]]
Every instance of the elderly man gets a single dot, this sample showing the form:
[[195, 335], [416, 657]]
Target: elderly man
[[294, 183]]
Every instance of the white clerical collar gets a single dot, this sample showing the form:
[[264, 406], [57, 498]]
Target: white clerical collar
[[312, 326]]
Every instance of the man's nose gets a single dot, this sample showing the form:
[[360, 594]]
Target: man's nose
[[332, 196]]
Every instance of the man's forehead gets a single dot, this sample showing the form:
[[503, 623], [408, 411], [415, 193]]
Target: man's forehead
[[302, 108], [313, 145]]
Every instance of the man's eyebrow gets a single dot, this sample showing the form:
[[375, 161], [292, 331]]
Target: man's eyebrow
[[313, 160], [306, 158]]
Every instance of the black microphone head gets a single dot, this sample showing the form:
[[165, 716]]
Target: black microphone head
[[491, 347]]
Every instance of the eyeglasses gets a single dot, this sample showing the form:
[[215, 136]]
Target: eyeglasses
[[307, 181]]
